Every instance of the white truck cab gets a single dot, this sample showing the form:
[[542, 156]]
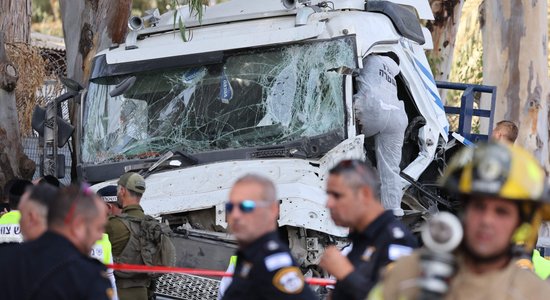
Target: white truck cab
[[260, 87]]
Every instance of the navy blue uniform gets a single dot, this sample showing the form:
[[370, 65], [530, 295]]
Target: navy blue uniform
[[266, 270], [50, 267], [382, 242]]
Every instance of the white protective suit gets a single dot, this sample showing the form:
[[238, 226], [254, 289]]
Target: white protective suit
[[383, 116]]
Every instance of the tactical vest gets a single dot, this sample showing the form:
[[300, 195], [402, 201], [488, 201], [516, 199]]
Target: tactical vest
[[148, 244], [10, 232]]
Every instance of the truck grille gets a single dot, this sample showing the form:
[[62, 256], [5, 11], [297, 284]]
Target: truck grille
[[182, 286]]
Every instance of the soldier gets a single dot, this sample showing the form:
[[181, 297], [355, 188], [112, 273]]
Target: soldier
[[130, 189], [501, 187], [377, 237], [265, 269]]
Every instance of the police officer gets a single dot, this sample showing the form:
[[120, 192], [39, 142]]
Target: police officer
[[377, 237], [57, 264], [102, 249], [265, 269], [501, 186]]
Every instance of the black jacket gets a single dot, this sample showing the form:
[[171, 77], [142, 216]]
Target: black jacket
[[266, 270], [50, 267], [382, 242]]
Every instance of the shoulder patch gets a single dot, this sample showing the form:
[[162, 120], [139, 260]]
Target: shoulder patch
[[245, 269], [289, 280], [272, 246], [368, 253], [397, 233], [277, 261], [396, 251]]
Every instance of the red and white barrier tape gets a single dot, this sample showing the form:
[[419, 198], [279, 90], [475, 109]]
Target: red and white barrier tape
[[199, 272]]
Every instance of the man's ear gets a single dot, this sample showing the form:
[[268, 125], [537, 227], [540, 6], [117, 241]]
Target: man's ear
[[367, 194], [79, 224], [275, 208]]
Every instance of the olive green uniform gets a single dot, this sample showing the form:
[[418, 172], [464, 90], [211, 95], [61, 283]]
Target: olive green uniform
[[119, 236], [510, 283]]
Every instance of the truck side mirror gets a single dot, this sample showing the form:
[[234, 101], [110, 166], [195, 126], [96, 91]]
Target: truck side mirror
[[64, 129]]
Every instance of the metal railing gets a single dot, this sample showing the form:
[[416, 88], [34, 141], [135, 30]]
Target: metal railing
[[466, 110]]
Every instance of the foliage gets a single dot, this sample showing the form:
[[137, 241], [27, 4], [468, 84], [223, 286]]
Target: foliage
[[467, 63], [46, 17], [196, 8]]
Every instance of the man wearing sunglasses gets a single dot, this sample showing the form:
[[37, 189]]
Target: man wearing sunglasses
[[377, 237], [265, 269]]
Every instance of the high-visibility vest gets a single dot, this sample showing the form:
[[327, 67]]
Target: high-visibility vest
[[226, 281], [541, 264], [102, 250], [10, 232]]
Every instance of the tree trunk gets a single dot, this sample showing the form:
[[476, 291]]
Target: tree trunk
[[15, 20], [14, 27], [515, 60], [100, 24], [443, 28]]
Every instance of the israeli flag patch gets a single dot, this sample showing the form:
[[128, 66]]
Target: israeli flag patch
[[277, 261], [397, 251]]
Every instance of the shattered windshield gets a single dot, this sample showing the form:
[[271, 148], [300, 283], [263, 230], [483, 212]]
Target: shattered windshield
[[260, 97]]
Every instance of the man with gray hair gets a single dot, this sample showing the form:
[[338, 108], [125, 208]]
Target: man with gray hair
[[34, 210], [377, 237], [57, 265], [264, 269]]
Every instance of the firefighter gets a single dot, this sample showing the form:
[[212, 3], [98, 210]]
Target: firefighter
[[265, 269], [501, 187]]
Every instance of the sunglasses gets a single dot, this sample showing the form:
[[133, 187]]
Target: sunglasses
[[246, 206]]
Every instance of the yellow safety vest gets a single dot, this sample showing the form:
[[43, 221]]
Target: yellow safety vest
[[10, 232], [233, 261], [542, 265], [102, 250]]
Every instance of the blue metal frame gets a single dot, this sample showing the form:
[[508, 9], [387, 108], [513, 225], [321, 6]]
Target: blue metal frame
[[466, 109]]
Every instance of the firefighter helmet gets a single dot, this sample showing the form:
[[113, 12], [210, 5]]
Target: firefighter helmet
[[504, 171], [496, 169]]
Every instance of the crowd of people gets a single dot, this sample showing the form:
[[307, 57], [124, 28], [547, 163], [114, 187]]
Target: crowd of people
[[57, 241]]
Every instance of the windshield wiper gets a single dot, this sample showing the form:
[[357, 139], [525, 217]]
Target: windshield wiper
[[188, 158]]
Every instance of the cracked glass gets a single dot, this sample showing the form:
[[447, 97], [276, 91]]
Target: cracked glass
[[255, 98]]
